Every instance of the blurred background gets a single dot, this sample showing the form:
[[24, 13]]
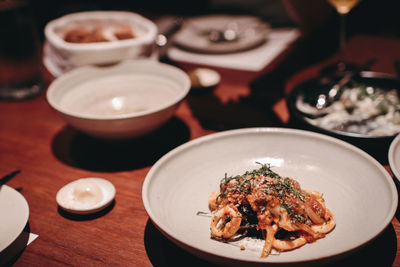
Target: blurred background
[[313, 16], [369, 16]]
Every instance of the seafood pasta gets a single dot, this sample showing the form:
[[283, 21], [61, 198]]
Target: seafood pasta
[[262, 204]]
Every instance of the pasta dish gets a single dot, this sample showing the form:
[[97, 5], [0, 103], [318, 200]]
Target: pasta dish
[[262, 204]]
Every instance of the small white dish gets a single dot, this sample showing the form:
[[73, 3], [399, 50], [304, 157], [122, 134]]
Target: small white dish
[[14, 214], [203, 78], [122, 101], [357, 189], [86, 195], [61, 56], [394, 157]]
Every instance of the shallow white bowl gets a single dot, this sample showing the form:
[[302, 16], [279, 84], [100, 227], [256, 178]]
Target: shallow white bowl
[[61, 56], [126, 100], [356, 188]]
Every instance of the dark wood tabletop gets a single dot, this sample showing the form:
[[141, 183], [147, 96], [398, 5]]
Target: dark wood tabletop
[[49, 153]]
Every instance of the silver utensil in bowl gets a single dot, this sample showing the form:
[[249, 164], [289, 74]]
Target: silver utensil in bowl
[[229, 34], [322, 102]]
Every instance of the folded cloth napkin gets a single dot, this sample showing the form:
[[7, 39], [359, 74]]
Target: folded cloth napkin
[[251, 60]]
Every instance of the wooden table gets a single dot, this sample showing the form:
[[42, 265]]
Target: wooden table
[[35, 140]]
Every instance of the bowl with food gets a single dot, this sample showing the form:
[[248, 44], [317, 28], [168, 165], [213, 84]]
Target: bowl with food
[[366, 114], [122, 101], [96, 37], [259, 196]]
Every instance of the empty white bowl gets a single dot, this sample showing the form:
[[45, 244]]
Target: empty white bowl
[[61, 56], [126, 100]]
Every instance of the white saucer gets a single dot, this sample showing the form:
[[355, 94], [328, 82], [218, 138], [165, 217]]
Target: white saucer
[[14, 214], [84, 202]]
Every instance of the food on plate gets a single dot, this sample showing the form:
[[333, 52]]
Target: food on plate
[[363, 109], [98, 34], [262, 204], [79, 35], [124, 32]]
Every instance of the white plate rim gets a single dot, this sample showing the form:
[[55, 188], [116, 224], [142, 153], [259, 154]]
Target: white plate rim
[[394, 146], [122, 68], [14, 195], [198, 141]]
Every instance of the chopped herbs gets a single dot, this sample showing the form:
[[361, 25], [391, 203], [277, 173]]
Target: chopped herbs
[[294, 215], [279, 187]]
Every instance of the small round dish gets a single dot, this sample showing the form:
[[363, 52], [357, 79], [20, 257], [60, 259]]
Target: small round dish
[[204, 78], [394, 157], [14, 212], [86, 195]]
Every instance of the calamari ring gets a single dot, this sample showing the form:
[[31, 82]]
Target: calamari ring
[[285, 222], [285, 245], [312, 214], [314, 203], [327, 226], [231, 227]]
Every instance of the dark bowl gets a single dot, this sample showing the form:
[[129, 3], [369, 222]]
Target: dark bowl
[[377, 146]]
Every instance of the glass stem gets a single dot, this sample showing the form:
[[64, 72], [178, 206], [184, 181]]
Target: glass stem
[[342, 32]]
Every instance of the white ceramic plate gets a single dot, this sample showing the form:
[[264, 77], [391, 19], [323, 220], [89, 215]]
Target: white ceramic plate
[[14, 214], [357, 189], [394, 157], [193, 35]]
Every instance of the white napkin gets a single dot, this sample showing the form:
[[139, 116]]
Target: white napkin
[[31, 238], [251, 60]]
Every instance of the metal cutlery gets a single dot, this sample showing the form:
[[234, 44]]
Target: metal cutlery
[[320, 105], [8, 177]]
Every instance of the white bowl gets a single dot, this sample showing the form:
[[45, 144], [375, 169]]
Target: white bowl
[[357, 190], [61, 56], [126, 100]]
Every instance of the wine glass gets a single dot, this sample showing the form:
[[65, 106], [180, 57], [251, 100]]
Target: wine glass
[[343, 7]]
